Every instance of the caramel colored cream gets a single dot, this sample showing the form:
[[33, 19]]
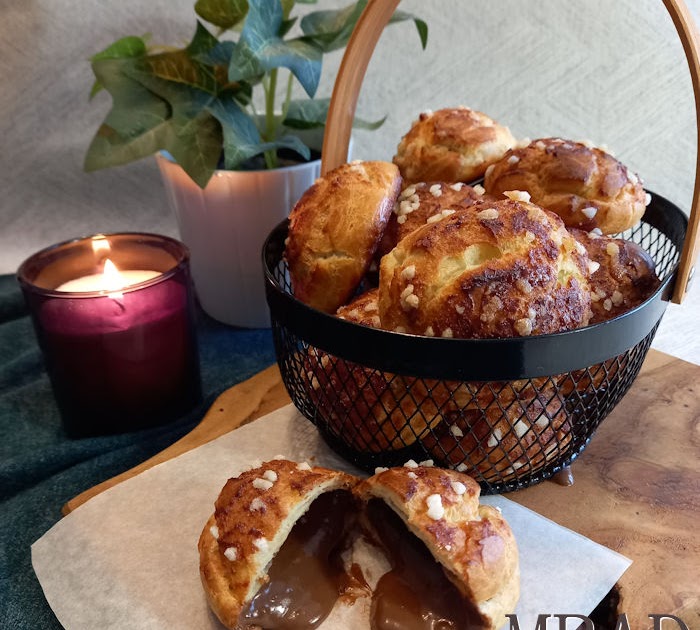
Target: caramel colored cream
[[415, 594], [306, 575]]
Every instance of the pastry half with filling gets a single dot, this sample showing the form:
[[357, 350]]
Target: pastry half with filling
[[270, 553], [284, 537], [457, 563]]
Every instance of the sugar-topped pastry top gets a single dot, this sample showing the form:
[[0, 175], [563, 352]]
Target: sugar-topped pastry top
[[497, 269], [471, 541], [586, 186], [427, 202], [254, 515], [451, 145]]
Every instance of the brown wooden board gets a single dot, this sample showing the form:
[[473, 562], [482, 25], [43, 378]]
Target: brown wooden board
[[636, 490]]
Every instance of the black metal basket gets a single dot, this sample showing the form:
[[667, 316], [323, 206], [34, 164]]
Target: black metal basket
[[510, 412]]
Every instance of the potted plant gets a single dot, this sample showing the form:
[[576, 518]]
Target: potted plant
[[232, 144]]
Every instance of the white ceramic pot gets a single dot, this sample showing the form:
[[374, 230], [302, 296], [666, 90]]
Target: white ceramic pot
[[225, 226]]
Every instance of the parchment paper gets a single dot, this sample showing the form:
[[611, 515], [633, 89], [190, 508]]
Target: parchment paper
[[128, 557]]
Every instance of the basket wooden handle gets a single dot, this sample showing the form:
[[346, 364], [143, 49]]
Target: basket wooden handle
[[356, 59]]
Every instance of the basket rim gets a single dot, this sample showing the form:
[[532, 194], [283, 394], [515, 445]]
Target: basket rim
[[473, 359]]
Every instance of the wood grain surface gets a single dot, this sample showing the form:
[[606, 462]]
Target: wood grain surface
[[636, 489]]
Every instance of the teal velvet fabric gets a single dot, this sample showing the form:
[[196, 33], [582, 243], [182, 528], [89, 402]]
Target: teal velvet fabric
[[41, 468]]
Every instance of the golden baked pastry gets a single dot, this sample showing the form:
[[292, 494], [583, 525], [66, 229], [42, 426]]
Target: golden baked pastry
[[273, 552], [468, 543], [459, 423], [500, 431], [423, 202], [579, 385], [497, 269], [622, 274], [364, 309], [259, 515], [493, 431], [451, 145], [587, 187], [334, 231]]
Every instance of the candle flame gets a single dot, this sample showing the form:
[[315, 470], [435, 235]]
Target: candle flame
[[113, 280]]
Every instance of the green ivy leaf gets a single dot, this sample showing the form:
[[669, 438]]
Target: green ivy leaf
[[135, 109], [287, 26], [260, 49], [307, 114], [311, 114], [188, 131], [182, 66], [289, 142], [219, 55], [369, 125], [421, 25], [222, 13], [108, 148], [242, 138], [124, 48], [331, 30], [176, 67], [202, 42], [287, 6], [196, 145]]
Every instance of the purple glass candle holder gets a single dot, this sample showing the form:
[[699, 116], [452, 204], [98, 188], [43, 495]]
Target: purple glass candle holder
[[118, 359]]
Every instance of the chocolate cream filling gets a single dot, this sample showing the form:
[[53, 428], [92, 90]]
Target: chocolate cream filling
[[416, 593], [306, 576]]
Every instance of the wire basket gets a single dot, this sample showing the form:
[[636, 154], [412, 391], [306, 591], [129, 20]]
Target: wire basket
[[509, 412]]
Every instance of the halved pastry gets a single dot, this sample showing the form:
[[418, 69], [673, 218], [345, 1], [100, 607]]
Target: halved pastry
[[459, 562], [269, 555]]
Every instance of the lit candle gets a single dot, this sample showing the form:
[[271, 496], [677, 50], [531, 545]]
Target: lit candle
[[119, 345], [111, 279]]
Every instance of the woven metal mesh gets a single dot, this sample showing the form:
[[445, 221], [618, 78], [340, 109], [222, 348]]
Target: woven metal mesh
[[506, 434]]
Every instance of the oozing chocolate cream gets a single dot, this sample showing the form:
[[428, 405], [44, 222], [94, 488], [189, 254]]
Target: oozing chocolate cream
[[415, 594], [564, 477], [306, 575]]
